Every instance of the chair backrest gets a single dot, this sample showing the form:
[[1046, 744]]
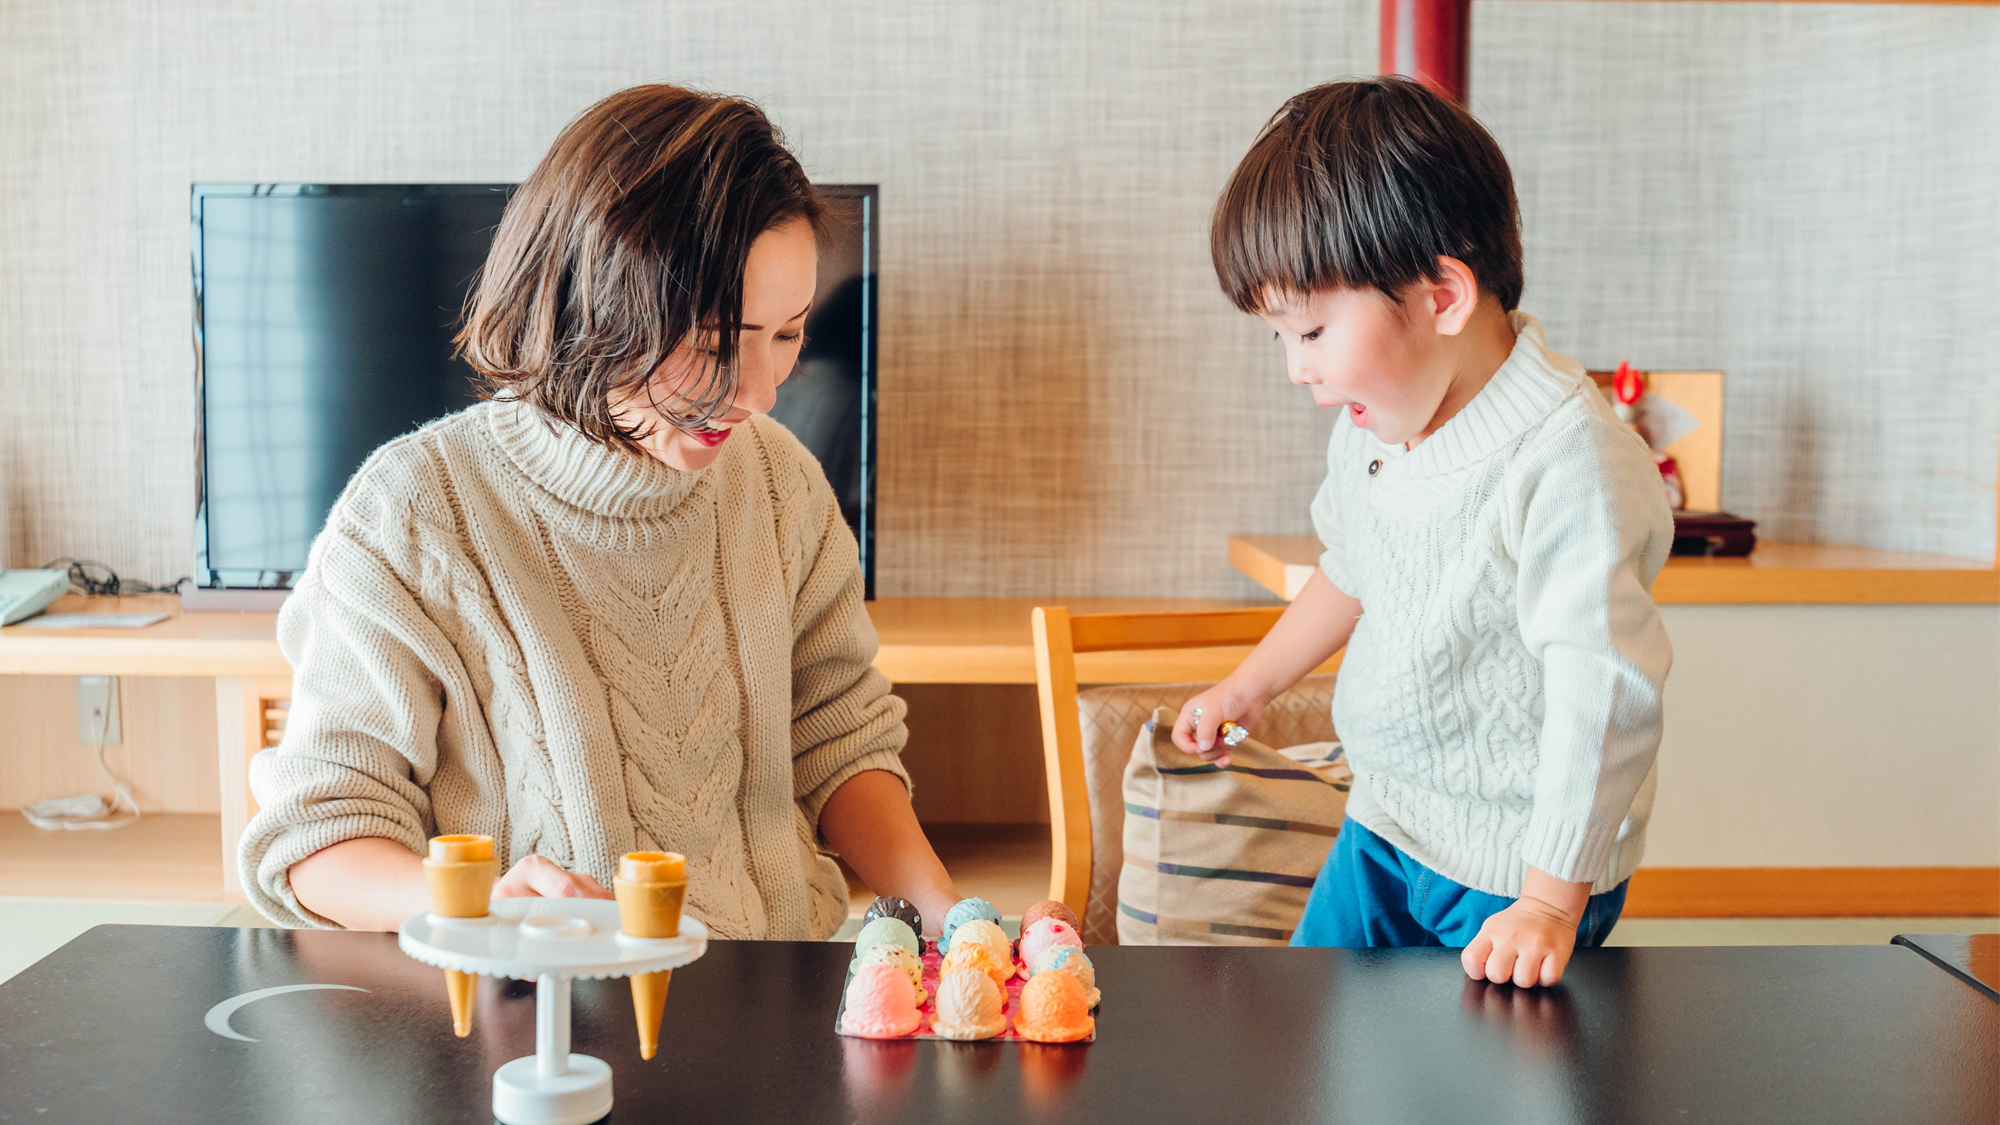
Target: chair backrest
[[1152, 647]]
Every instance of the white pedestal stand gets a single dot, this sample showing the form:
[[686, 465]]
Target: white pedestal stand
[[550, 941]]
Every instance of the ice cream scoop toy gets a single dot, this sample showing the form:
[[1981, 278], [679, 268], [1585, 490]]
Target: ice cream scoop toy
[[1067, 959], [1049, 908], [553, 941], [881, 1003], [970, 1006], [1054, 1009], [899, 909], [1046, 934], [966, 910], [971, 986]]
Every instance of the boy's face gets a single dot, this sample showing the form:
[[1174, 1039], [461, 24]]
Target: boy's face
[[1385, 362]]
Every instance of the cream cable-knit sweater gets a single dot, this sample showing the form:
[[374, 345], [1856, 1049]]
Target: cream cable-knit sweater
[[509, 630], [1500, 698]]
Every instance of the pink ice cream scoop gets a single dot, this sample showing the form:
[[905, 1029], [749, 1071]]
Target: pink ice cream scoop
[[881, 1004], [1047, 933]]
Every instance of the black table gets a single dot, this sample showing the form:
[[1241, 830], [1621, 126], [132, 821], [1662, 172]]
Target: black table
[[1972, 958], [110, 1029]]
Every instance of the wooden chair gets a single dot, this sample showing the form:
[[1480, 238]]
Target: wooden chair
[[1137, 648]]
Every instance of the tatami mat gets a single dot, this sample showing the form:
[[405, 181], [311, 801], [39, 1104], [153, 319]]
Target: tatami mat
[[32, 928]]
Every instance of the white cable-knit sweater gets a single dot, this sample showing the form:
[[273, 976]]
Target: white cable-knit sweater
[[1500, 698], [507, 629]]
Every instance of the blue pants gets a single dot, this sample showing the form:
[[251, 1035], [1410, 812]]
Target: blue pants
[[1370, 894]]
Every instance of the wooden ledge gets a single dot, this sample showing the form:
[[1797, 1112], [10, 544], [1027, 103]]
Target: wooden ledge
[[989, 641], [1775, 574], [924, 640], [195, 644], [1814, 892]]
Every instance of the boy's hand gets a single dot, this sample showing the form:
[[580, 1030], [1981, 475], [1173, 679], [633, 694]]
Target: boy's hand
[[1202, 716], [1529, 943]]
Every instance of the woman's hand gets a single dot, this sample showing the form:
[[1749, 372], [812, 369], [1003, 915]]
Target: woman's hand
[[538, 876], [870, 822], [1202, 716]]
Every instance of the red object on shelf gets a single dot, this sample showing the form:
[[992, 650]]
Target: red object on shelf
[[1427, 40], [1627, 384]]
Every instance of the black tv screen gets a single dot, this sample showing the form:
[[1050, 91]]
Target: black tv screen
[[323, 321]]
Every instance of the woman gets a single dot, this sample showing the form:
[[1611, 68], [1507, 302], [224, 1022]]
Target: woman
[[611, 609]]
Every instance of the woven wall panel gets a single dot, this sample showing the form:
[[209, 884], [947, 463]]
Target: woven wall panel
[[1069, 405], [1800, 195]]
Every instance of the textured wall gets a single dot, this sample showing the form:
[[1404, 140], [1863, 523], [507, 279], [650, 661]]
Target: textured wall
[[1806, 196], [1069, 405]]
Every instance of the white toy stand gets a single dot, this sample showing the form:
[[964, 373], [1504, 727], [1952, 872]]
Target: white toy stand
[[550, 941]]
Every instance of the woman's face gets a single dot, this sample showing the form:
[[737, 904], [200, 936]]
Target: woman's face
[[778, 283]]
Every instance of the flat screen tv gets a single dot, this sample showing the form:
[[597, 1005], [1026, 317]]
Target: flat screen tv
[[323, 320]]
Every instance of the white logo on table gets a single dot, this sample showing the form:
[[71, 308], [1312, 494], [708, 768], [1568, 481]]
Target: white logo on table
[[217, 1018]]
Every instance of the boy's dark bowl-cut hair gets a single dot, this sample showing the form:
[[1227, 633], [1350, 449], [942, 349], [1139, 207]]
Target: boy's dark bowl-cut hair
[[1363, 185], [629, 236]]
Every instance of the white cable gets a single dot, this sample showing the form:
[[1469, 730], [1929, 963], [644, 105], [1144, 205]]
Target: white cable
[[89, 810]]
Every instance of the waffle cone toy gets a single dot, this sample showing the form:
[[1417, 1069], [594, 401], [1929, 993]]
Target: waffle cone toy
[[650, 887], [461, 870]]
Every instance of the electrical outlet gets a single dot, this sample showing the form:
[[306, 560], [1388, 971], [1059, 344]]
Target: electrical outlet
[[97, 710]]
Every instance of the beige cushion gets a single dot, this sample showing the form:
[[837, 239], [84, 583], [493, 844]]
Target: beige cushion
[[1112, 719], [1224, 855]]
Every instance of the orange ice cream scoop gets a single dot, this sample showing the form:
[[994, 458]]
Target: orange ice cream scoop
[[977, 957], [461, 871], [881, 1004], [1054, 1009], [651, 887]]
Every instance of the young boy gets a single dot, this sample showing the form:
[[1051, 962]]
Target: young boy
[[1491, 529]]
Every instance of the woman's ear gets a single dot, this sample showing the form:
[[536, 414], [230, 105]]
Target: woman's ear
[[1454, 294]]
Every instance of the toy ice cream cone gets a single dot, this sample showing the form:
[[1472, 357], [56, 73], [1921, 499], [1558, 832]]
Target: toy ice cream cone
[[461, 870], [650, 887]]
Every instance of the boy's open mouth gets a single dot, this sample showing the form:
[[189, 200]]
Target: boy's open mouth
[[1358, 412]]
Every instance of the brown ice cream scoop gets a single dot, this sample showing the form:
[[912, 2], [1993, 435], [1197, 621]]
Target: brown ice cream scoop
[[1049, 908]]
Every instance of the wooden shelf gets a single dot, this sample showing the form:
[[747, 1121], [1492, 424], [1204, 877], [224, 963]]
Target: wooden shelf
[[989, 641], [193, 644], [171, 856], [1774, 574], [924, 641]]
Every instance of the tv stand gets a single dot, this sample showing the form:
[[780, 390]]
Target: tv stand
[[202, 599]]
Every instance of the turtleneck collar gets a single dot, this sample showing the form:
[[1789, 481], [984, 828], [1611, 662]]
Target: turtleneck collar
[[596, 478], [1525, 388]]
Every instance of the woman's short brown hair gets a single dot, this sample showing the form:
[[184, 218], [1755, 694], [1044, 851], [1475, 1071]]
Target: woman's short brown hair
[[629, 235], [1364, 185]]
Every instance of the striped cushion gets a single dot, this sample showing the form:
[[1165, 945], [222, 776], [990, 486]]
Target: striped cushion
[[1224, 856]]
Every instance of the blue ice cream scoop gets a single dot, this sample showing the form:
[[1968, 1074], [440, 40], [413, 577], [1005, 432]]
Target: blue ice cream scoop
[[965, 911]]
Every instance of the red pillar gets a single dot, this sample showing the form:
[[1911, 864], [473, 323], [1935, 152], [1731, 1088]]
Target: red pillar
[[1426, 39]]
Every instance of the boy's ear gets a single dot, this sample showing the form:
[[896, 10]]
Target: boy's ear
[[1454, 293]]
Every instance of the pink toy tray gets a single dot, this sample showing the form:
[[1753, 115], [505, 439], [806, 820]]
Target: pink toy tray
[[933, 961]]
